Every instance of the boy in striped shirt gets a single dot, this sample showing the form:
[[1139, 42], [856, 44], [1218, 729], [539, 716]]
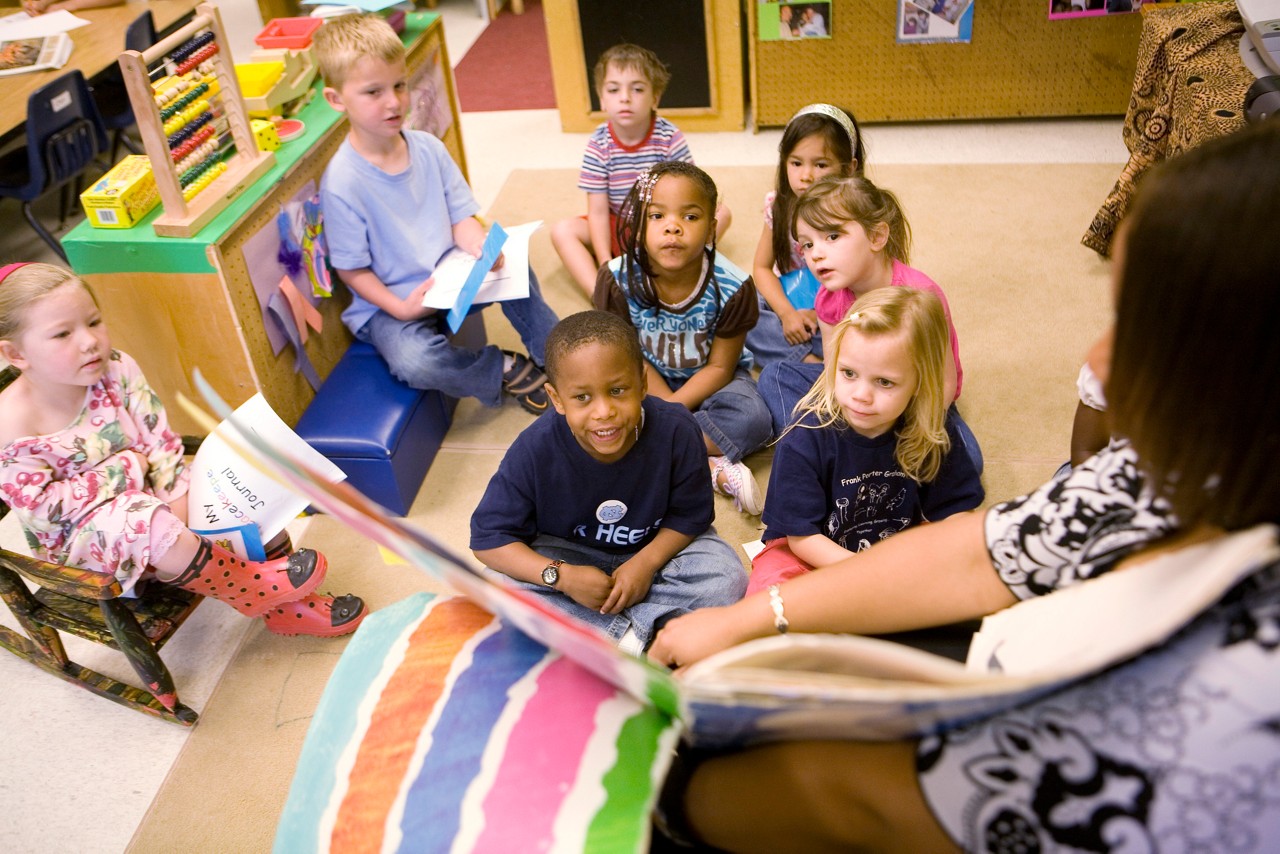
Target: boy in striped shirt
[[630, 81]]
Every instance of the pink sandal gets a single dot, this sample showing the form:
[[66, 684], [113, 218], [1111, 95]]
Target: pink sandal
[[318, 614]]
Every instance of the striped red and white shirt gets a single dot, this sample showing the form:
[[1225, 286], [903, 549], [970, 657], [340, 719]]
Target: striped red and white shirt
[[610, 167]]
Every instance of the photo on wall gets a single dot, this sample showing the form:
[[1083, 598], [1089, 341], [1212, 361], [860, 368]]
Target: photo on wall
[[792, 21], [1059, 9], [926, 21]]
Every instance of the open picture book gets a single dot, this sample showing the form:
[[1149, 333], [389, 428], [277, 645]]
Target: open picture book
[[18, 56], [821, 686]]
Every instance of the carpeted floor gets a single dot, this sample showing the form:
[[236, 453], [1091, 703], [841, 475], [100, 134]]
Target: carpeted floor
[[1027, 300], [509, 66]]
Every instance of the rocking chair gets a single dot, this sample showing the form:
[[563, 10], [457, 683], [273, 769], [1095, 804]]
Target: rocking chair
[[88, 604]]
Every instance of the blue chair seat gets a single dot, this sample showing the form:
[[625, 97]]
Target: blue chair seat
[[379, 431]]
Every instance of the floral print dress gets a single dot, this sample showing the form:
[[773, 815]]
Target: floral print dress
[[87, 494]]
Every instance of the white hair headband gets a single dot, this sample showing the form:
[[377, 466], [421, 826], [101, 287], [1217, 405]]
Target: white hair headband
[[837, 115]]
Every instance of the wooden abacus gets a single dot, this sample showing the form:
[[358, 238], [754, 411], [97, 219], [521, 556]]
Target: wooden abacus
[[193, 122]]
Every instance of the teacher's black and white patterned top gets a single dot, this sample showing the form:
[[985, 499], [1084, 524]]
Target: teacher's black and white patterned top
[[1176, 750]]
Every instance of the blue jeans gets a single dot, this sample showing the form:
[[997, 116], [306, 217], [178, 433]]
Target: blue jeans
[[782, 384], [705, 574], [735, 417], [421, 353], [767, 343]]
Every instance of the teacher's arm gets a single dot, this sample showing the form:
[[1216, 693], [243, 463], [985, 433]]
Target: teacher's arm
[[927, 576]]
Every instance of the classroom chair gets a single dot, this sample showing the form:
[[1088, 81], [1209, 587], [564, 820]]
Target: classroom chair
[[109, 91], [88, 604], [65, 135]]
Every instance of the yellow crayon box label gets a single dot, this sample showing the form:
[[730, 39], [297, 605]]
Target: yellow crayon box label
[[123, 196]]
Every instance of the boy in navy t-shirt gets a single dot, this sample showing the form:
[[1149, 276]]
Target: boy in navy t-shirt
[[604, 506]]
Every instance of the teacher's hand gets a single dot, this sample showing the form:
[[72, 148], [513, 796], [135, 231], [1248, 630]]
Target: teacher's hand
[[692, 637]]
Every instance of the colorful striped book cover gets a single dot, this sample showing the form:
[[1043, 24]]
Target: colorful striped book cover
[[443, 729]]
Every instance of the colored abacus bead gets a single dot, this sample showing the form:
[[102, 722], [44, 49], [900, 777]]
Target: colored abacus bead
[[204, 152], [204, 181], [198, 57], [185, 99], [188, 129], [194, 44], [186, 116]]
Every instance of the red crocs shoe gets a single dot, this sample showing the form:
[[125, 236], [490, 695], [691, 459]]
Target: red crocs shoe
[[251, 587], [319, 614]]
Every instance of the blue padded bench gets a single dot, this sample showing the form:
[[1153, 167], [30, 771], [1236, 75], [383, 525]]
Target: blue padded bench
[[379, 431]]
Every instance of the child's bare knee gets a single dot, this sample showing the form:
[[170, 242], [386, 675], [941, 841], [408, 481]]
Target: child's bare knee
[[565, 233]]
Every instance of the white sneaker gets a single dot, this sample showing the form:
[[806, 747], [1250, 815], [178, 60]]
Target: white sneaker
[[739, 484], [630, 643]]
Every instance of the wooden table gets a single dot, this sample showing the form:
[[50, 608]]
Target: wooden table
[[177, 304], [97, 47]]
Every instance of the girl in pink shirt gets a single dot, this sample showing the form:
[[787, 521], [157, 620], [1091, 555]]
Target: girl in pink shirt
[[854, 238]]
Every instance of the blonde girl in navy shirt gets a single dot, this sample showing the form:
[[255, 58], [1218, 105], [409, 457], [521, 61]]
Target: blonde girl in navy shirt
[[873, 451]]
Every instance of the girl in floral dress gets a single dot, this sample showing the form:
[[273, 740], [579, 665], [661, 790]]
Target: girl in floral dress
[[96, 477]]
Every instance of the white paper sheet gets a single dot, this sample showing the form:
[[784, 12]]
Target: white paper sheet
[[228, 491], [23, 26], [364, 5], [510, 281]]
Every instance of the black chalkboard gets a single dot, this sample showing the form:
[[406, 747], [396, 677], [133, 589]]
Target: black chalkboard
[[675, 30]]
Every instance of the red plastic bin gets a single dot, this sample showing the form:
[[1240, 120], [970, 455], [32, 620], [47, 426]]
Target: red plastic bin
[[292, 33]]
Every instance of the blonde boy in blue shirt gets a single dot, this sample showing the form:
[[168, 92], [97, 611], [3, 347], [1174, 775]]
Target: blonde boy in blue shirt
[[394, 203]]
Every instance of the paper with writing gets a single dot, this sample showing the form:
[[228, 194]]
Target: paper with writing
[[228, 491], [510, 281]]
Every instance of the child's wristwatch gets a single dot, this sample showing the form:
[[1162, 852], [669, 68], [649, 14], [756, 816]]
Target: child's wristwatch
[[551, 573]]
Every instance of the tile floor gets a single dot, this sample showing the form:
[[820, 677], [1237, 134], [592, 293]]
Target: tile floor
[[69, 756]]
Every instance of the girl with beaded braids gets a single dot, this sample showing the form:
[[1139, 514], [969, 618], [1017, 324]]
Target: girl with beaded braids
[[691, 308]]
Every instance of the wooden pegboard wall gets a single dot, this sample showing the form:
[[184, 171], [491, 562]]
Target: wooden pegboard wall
[[1019, 64], [273, 373]]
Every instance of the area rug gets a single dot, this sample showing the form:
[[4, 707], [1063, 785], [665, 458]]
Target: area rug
[[1027, 301], [509, 66]]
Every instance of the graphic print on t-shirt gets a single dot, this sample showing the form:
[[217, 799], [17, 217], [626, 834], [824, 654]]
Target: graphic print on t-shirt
[[681, 343], [868, 508], [607, 531]]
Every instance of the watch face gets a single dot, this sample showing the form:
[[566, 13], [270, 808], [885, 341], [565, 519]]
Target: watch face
[[550, 575]]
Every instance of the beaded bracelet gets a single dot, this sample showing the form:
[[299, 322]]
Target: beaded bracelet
[[775, 602]]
